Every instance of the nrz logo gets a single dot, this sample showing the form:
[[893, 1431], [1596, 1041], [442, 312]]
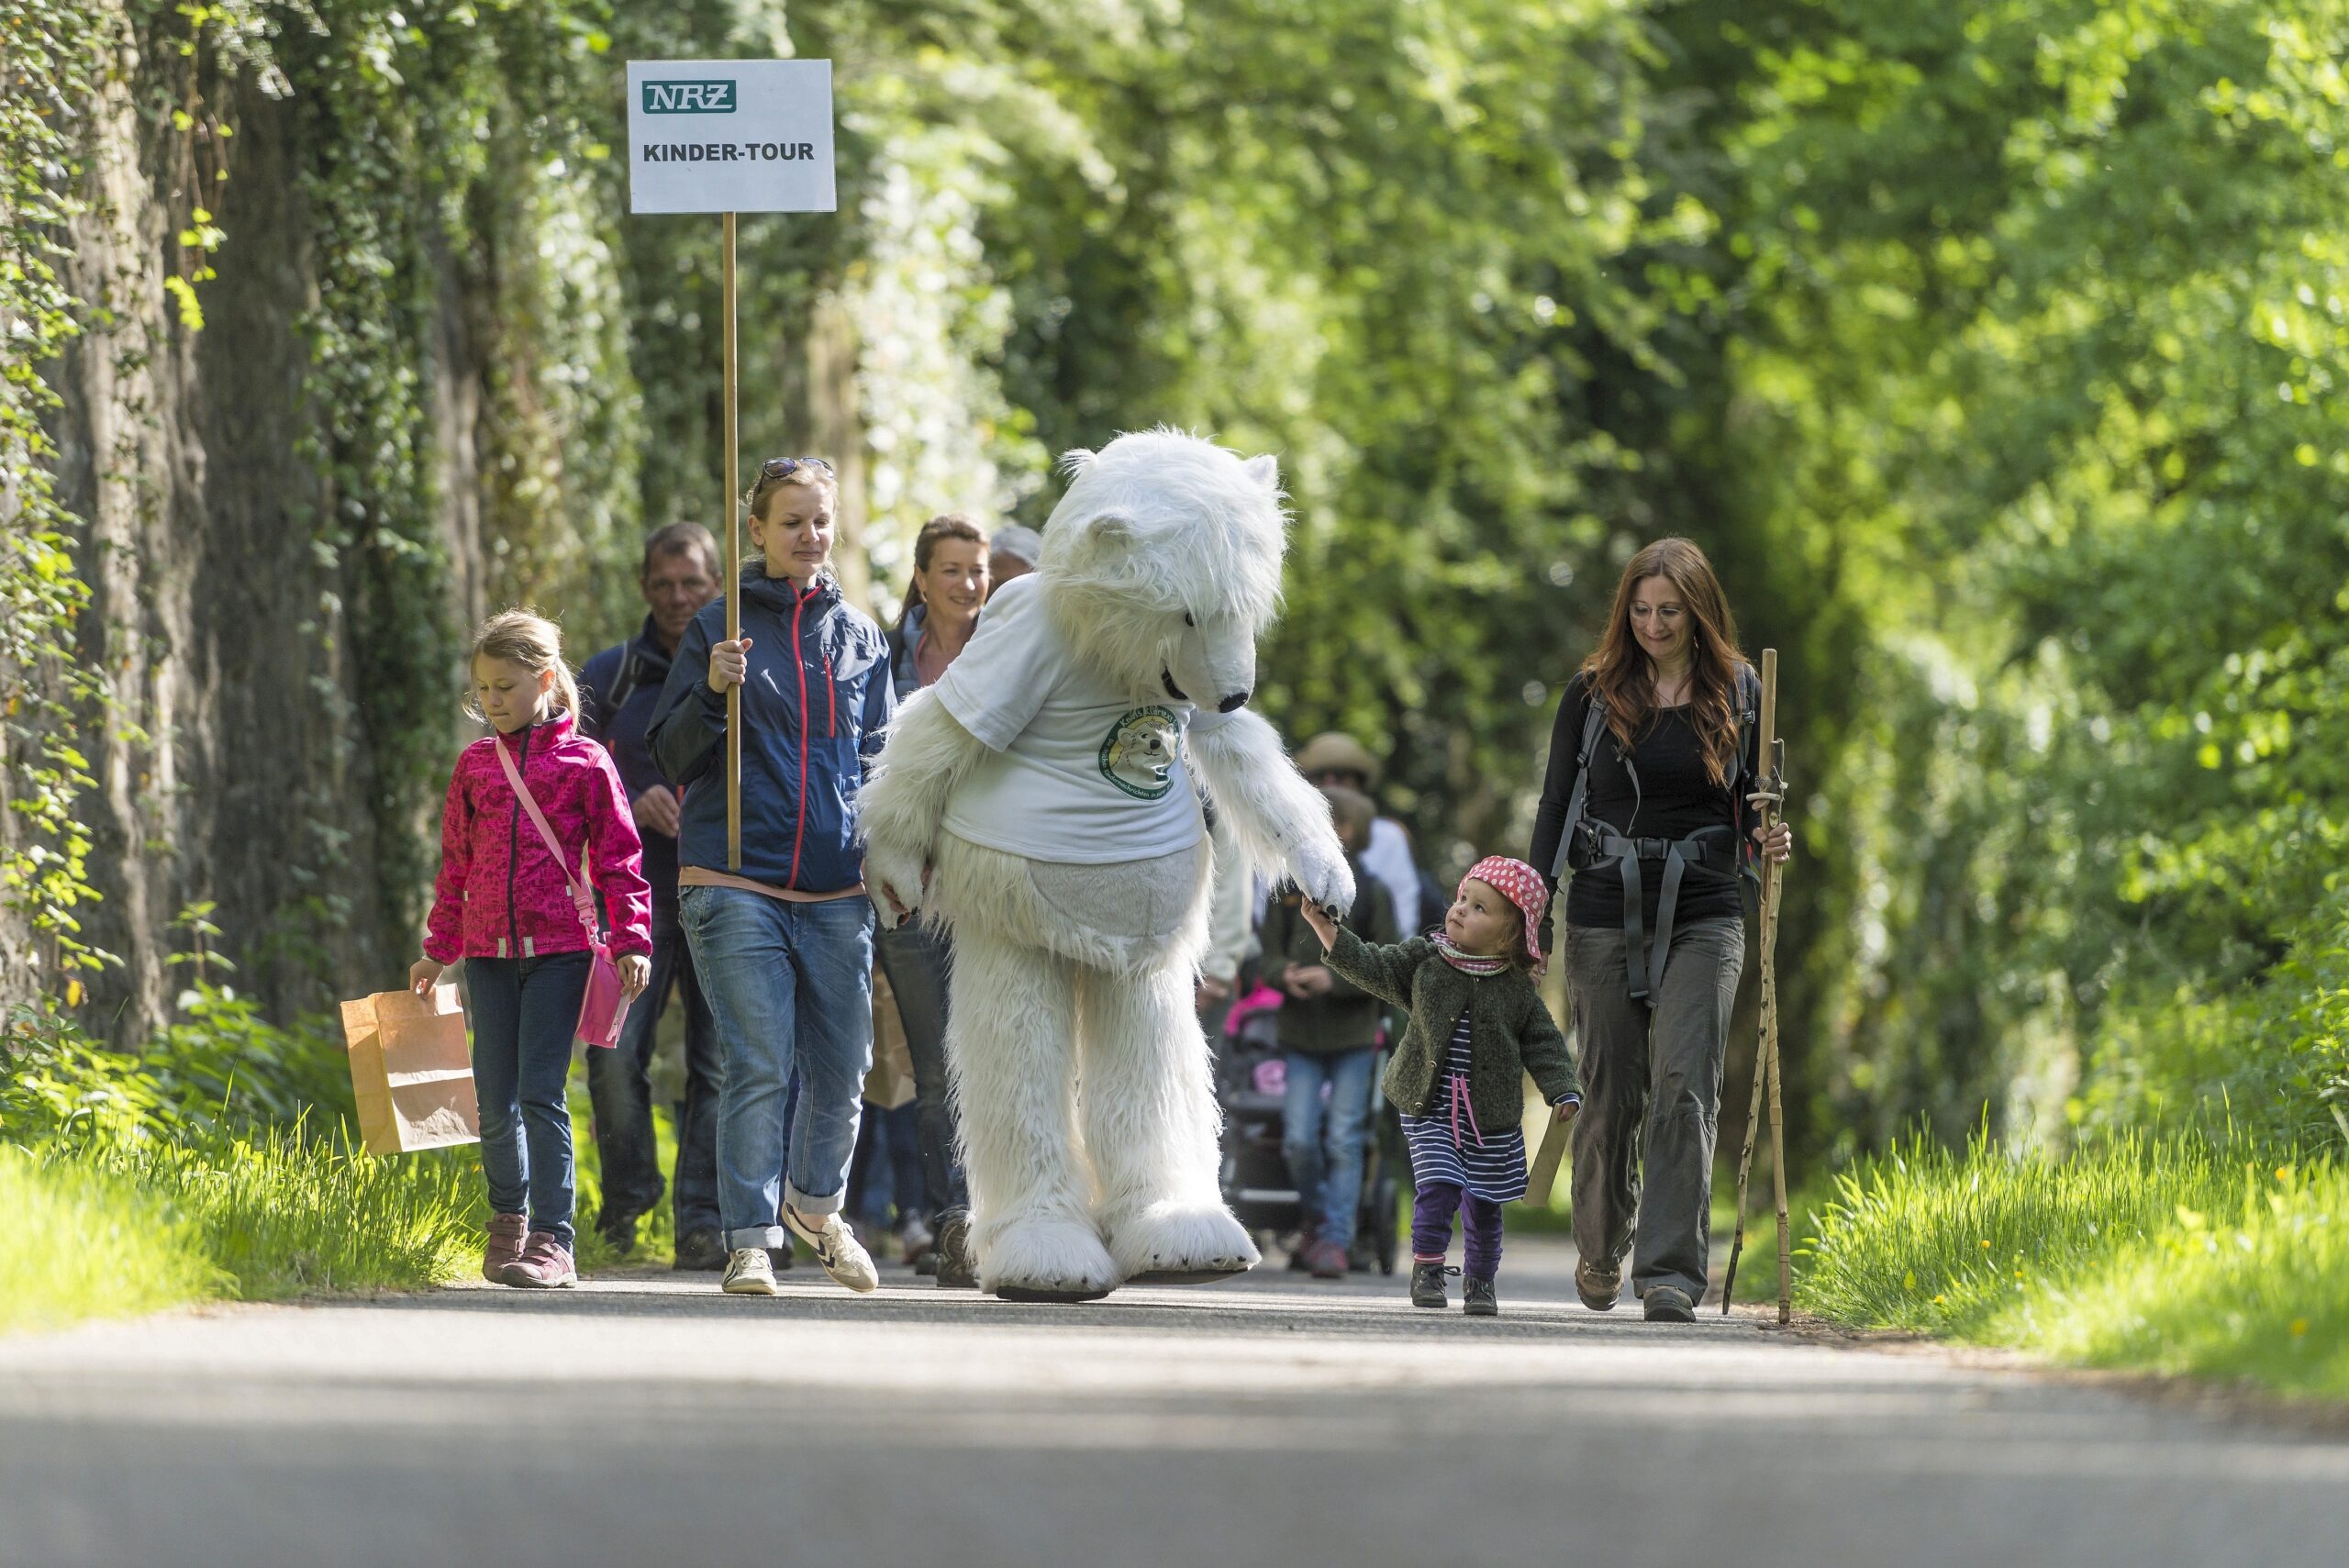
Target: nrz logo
[[689, 97]]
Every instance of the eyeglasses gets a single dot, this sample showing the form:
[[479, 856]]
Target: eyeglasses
[[783, 467]]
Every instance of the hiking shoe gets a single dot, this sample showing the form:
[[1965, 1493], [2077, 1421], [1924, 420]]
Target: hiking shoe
[[1327, 1259], [836, 1249], [1669, 1303], [1426, 1285], [915, 1240], [619, 1231], [1478, 1300], [545, 1265], [1599, 1288], [504, 1249], [701, 1250], [749, 1273], [950, 1256]]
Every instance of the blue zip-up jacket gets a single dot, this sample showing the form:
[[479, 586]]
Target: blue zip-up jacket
[[620, 691], [814, 711]]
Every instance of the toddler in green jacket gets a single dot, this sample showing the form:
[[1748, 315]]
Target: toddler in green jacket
[[1477, 1024]]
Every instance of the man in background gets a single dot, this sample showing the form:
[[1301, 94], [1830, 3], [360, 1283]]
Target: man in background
[[1336, 759], [618, 693]]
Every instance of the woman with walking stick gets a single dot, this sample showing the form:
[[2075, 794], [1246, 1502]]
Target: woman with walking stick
[[1645, 803]]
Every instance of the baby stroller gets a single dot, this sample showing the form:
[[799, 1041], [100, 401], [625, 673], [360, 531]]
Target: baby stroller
[[1252, 1083]]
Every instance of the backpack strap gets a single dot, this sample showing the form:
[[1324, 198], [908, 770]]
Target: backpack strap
[[630, 676], [1743, 780], [1645, 954], [1578, 803]]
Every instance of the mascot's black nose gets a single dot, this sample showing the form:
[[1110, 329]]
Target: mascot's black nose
[[1235, 701]]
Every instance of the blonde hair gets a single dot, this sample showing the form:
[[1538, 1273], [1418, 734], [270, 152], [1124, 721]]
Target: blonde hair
[[812, 473], [529, 640]]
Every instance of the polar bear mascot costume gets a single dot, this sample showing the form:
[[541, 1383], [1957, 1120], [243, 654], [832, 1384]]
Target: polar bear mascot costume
[[1039, 800]]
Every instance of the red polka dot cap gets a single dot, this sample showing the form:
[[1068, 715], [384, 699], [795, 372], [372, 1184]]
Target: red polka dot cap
[[1522, 885]]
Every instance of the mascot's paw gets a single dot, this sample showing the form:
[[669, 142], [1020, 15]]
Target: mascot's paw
[[890, 873], [1179, 1244], [1045, 1260], [1319, 870]]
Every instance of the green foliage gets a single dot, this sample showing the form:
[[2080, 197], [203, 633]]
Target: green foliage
[[218, 1066], [47, 69], [2160, 1254], [1990, 352], [105, 1228], [84, 1241], [2035, 312]]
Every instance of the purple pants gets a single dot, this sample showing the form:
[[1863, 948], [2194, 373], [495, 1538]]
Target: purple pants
[[1432, 1207]]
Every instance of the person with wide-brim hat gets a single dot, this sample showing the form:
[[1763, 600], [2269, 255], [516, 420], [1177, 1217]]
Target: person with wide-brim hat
[[1335, 758]]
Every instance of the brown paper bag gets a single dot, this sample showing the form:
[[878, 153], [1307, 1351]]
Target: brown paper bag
[[411, 1071], [890, 1082]]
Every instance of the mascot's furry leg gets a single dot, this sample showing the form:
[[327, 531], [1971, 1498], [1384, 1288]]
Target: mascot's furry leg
[[1147, 1097], [1010, 1048]]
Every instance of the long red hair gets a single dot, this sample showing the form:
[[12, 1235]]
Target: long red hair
[[1622, 675]]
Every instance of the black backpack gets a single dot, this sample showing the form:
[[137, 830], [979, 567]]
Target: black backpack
[[1584, 844]]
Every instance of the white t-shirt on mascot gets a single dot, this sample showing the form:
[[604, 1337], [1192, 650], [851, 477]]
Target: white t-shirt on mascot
[[1079, 773]]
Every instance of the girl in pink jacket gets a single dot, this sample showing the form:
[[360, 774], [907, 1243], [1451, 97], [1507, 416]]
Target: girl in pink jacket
[[503, 904]]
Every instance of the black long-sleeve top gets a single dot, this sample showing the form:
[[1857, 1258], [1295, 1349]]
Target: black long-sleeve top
[[1674, 797]]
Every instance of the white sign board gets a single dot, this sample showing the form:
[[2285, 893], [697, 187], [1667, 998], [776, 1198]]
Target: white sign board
[[730, 136]]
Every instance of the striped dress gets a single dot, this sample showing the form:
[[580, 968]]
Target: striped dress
[[1448, 1146]]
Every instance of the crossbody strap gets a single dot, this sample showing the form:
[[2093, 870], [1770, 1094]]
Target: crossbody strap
[[580, 897], [1578, 802]]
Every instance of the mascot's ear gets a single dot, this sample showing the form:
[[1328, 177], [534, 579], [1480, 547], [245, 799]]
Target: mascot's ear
[[1265, 470], [1106, 536]]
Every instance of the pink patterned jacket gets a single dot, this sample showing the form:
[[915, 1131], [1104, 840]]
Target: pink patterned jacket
[[499, 893]]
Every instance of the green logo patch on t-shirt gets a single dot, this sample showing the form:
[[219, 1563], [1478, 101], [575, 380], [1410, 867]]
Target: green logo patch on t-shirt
[[1139, 751]]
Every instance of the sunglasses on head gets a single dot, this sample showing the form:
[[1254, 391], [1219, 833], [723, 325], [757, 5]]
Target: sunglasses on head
[[783, 467]]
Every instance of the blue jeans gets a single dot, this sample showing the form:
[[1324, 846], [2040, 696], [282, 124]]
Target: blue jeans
[[1329, 1182], [619, 1081], [525, 1015], [886, 1173], [790, 988]]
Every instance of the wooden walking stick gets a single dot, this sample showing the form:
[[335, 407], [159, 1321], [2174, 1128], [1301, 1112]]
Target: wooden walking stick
[[1766, 1055]]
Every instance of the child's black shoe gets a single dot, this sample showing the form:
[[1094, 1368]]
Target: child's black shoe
[[1478, 1300], [1426, 1285]]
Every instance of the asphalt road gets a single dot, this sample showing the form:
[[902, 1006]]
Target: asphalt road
[[647, 1419]]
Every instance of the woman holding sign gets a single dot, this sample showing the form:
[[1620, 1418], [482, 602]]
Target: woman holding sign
[[784, 946], [1650, 764]]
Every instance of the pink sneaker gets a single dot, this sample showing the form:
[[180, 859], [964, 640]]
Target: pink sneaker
[[505, 1248], [545, 1265]]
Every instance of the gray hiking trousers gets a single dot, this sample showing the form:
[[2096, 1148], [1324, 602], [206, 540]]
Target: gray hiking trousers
[[1652, 1082]]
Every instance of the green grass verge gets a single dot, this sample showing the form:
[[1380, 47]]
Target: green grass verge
[[2157, 1255], [84, 1241], [110, 1229]]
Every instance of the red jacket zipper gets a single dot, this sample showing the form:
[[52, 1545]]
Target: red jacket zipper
[[513, 844]]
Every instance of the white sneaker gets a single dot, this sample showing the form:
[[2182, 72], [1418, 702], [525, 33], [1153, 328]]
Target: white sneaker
[[749, 1272], [837, 1248]]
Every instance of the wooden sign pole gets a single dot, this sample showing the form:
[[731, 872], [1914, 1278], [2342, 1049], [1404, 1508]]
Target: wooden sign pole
[[733, 567], [730, 137]]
